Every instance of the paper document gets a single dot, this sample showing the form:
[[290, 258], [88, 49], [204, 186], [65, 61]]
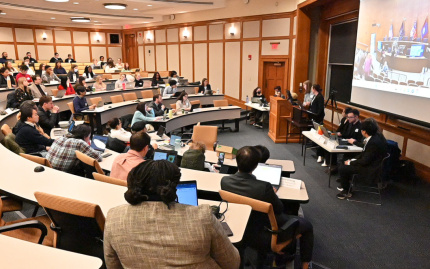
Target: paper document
[[291, 183]]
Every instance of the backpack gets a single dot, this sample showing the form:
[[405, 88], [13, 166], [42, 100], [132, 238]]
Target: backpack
[[11, 101]]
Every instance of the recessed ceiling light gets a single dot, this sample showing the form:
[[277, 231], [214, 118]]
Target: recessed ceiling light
[[75, 3], [3, 13], [135, 9], [80, 19], [57, 1], [149, 5], [115, 6], [96, 21], [52, 18]]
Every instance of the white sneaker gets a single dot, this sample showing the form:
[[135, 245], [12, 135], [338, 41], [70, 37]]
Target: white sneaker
[[324, 164], [320, 159]]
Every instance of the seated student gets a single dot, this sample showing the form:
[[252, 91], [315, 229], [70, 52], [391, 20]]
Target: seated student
[[121, 83], [48, 114], [157, 105], [110, 66], [23, 73], [59, 69], [367, 163], [73, 74], [28, 137], [42, 69], [28, 56], [102, 62], [22, 93], [126, 68], [174, 235], [95, 64], [62, 154], [69, 59], [278, 92], [116, 130], [56, 58], [246, 184], [344, 121], [19, 123], [194, 158], [119, 65], [182, 102], [259, 115], [6, 79], [99, 85], [138, 81], [140, 126], [125, 162], [156, 79], [9, 67], [49, 75], [37, 88], [30, 70], [143, 112], [66, 85], [173, 76], [88, 72], [80, 102], [4, 58], [205, 86], [171, 89]]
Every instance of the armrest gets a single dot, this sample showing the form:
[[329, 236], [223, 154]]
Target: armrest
[[27, 224], [290, 226]]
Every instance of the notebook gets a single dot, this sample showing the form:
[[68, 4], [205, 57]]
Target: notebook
[[269, 173], [187, 192]]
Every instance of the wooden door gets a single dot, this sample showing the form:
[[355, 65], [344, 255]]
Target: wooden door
[[274, 75], [131, 51]]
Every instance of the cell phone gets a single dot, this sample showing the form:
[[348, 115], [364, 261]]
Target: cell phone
[[227, 229], [221, 158], [106, 155]]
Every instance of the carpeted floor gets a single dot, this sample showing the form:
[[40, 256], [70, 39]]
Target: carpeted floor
[[348, 234]]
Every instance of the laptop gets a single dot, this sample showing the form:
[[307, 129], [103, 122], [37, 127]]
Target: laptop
[[325, 132], [269, 173], [160, 131], [187, 192], [173, 138], [183, 81], [60, 94], [168, 155], [208, 92], [139, 83], [316, 125], [147, 84], [255, 100], [110, 87]]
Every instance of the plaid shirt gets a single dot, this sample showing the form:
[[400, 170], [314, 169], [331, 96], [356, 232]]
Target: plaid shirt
[[62, 153]]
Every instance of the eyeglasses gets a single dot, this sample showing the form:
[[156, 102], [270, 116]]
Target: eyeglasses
[[353, 117]]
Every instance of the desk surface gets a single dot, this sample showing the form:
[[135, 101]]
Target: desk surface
[[257, 106], [321, 141], [41, 257]]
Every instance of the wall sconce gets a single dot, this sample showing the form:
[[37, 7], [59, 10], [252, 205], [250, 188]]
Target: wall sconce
[[149, 36], [98, 38], [232, 30], [186, 33], [44, 36]]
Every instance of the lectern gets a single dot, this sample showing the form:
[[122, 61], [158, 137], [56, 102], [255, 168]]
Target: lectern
[[280, 110]]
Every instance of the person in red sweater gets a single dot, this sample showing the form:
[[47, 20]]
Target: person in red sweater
[[66, 85], [23, 73]]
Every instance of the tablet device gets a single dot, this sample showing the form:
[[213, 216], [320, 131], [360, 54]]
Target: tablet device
[[269, 173], [168, 155], [187, 192]]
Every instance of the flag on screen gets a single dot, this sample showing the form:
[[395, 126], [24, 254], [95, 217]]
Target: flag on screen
[[425, 29], [413, 33], [390, 33], [402, 30]]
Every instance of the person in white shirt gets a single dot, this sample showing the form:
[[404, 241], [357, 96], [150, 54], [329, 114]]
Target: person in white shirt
[[122, 79], [30, 70], [171, 89], [101, 62], [116, 130], [119, 65], [183, 103], [110, 67]]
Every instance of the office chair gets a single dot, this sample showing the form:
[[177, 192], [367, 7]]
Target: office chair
[[37, 159], [115, 144], [75, 115], [208, 135], [146, 94], [130, 96], [221, 103], [371, 188], [78, 226], [90, 165], [5, 129], [95, 100], [116, 99], [110, 180]]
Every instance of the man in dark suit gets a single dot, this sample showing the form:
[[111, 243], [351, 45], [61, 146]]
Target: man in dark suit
[[28, 56], [48, 114], [366, 164], [246, 184], [56, 58]]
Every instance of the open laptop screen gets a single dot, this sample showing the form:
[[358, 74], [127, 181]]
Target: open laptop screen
[[269, 173], [187, 192]]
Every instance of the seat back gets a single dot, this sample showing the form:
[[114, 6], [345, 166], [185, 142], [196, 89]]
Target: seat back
[[208, 135], [36, 159], [116, 99], [147, 94], [164, 74], [106, 76], [10, 143], [78, 225], [196, 90], [195, 102], [111, 180], [115, 144], [71, 107], [54, 91], [90, 165], [95, 100], [5, 129], [129, 96], [218, 103], [173, 106], [258, 206]]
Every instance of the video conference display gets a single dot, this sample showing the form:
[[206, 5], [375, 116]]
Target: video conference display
[[392, 57]]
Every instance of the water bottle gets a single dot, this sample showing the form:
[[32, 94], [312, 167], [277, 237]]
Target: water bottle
[[74, 77], [165, 115], [177, 145], [123, 86], [247, 99]]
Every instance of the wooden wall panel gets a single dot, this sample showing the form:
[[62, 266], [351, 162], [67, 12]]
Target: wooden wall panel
[[63, 51], [232, 69], [186, 31], [115, 52], [49, 36], [160, 36], [149, 58], [102, 38], [141, 52], [63, 37], [172, 58], [249, 68], [216, 31], [6, 34], [161, 52], [230, 26], [283, 47], [251, 29], [172, 35], [23, 49], [96, 52], [24, 35], [216, 65], [200, 62], [82, 54], [45, 52], [80, 38], [200, 33], [187, 61], [276, 27]]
